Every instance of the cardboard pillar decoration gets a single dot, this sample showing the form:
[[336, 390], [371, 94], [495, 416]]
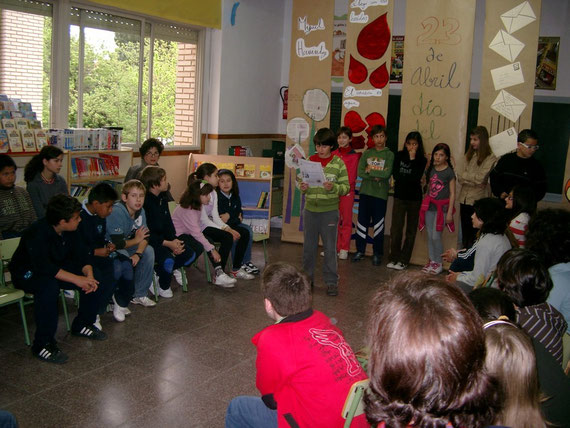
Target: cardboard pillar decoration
[[435, 87], [508, 70], [367, 73], [309, 96]]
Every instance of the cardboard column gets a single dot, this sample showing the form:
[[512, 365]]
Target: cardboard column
[[309, 96], [435, 87]]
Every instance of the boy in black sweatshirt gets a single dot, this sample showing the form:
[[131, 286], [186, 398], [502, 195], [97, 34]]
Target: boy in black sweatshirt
[[170, 251]]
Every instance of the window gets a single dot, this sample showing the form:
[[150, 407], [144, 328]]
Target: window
[[124, 71], [25, 53]]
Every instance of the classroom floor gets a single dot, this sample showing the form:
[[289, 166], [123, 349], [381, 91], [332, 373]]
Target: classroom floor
[[177, 364]]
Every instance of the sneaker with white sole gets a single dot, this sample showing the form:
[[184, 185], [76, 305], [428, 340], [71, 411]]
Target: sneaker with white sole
[[391, 265], [177, 276], [50, 353], [400, 266], [436, 268], [249, 267], [322, 253], [89, 332], [427, 267], [343, 254], [144, 301], [223, 280], [118, 312], [97, 323], [241, 274], [167, 294]]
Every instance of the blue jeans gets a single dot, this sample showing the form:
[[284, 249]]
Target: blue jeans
[[143, 269], [435, 243], [247, 254], [250, 412]]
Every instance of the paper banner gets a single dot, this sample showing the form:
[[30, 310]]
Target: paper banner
[[435, 87], [367, 66], [509, 62], [309, 95]]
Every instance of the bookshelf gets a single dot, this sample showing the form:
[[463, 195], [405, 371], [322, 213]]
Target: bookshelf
[[255, 189]]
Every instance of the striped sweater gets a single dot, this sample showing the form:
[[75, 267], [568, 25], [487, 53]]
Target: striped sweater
[[317, 199]]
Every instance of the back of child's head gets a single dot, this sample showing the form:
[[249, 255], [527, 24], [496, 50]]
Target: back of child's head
[[152, 176], [325, 137], [427, 355], [416, 136], [102, 192], [492, 304], [6, 161], [149, 144], [36, 164], [377, 129], [61, 207], [548, 234], [130, 185], [229, 173], [191, 196], [202, 171], [287, 288], [523, 277], [524, 200], [525, 134], [491, 212], [511, 361], [344, 130]]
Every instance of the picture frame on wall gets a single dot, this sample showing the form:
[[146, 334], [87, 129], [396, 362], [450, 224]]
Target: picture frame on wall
[[547, 62]]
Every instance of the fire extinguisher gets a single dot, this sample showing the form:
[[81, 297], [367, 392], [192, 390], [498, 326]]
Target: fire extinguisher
[[284, 93]]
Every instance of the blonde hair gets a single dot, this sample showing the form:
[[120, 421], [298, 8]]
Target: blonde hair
[[132, 184], [511, 360]]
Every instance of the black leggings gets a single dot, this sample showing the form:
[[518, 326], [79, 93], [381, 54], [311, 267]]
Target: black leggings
[[226, 241]]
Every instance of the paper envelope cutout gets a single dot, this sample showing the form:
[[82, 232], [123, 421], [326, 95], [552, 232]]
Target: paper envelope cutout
[[506, 46], [508, 105], [504, 142], [507, 76], [518, 17]]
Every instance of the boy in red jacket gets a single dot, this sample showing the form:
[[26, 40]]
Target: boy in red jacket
[[305, 368]]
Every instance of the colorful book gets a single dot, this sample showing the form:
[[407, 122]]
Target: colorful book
[[265, 171], [240, 170], [4, 144], [28, 140], [15, 140], [41, 138], [8, 124], [249, 170]]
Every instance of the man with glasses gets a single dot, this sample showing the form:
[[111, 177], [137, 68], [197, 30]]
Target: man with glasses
[[519, 168]]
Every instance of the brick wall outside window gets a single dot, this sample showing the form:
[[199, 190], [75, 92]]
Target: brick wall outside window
[[185, 93]]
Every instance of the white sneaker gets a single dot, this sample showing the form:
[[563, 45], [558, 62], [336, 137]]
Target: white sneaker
[[427, 267], [436, 268], [118, 313], [145, 301], [224, 280], [322, 253], [177, 276], [241, 274], [97, 323], [399, 266], [167, 294], [343, 254], [391, 265]]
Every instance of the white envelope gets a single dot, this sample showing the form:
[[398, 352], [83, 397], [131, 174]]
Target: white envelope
[[506, 46], [518, 17], [507, 76], [504, 142], [509, 106]]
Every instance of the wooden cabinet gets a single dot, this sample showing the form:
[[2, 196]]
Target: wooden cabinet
[[254, 177]]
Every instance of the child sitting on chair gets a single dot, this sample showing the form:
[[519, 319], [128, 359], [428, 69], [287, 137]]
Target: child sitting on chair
[[305, 368]]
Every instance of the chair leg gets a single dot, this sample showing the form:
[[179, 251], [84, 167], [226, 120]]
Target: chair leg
[[184, 280], [24, 322], [155, 287], [265, 250], [207, 268], [65, 314]]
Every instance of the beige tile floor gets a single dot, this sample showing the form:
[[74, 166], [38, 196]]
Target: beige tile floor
[[177, 364]]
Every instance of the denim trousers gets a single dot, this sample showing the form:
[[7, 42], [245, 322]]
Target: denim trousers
[[250, 412]]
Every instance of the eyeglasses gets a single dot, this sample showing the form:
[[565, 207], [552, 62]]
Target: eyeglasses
[[530, 147], [152, 154], [509, 198]]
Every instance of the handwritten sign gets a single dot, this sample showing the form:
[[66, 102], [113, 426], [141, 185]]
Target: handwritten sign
[[361, 18], [320, 51], [351, 91], [365, 4], [308, 28]]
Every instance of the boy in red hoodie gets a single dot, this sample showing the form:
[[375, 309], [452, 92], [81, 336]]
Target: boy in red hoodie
[[305, 368], [346, 202]]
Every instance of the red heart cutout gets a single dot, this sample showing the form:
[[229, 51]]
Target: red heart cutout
[[379, 77], [357, 72], [374, 39], [353, 120]]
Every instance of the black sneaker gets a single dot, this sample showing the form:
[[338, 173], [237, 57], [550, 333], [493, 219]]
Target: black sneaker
[[357, 256], [376, 260], [90, 332], [332, 290], [249, 267], [50, 353]]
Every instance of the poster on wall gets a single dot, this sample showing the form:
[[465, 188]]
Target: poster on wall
[[309, 99], [509, 67], [397, 66], [547, 62], [339, 48]]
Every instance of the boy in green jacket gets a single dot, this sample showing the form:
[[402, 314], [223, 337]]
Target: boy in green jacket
[[321, 210], [375, 168]]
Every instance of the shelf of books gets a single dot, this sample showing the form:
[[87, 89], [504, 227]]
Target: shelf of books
[[254, 180]]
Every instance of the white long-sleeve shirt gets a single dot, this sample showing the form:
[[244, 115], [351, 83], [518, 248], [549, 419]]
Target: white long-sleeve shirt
[[209, 216], [489, 249]]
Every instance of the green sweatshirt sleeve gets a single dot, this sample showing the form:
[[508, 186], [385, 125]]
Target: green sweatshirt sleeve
[[342, 185]]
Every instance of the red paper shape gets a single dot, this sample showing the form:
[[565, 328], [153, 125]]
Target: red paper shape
[[370, 142], [374, 119], [357, 72], [358, 142], [379, 77], [353, 120], [374, 39]]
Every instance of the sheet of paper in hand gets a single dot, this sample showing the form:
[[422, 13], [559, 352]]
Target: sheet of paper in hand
[[312, 173]]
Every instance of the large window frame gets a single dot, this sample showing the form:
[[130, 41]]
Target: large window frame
[[60, 67]]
